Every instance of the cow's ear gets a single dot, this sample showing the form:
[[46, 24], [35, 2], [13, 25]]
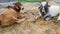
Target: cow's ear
[[40, 7], [47, 4]]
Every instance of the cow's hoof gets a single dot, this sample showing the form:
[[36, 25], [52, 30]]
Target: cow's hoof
[[46, 19]]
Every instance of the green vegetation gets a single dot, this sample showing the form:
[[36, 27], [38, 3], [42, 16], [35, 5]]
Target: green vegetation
[[30, 0]]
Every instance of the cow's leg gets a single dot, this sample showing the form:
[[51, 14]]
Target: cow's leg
[[58, 18], [48, 17], [5, 24], [18, 20], [19, 17]]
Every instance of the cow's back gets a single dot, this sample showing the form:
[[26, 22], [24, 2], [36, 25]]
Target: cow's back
[[54, 10]]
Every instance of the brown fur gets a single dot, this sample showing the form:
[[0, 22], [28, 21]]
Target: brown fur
[[9, 16]]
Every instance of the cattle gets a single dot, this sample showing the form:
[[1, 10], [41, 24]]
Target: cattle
[[10, 15], [49, 11]]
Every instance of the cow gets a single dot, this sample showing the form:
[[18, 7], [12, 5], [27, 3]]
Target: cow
[[10, 15], [49, 11]]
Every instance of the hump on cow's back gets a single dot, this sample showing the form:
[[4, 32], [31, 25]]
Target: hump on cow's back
[[10, 7]]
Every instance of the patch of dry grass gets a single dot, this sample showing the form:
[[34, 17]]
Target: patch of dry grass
[[30, 27]]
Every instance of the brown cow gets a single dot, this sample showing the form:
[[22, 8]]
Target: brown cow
[[10, 15]]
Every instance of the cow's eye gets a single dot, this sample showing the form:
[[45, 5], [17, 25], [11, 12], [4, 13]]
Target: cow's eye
[[22, 8]]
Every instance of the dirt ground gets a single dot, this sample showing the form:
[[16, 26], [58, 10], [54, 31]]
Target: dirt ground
[[29, 27]]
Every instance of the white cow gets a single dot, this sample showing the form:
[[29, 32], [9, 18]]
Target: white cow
[[48, 11]]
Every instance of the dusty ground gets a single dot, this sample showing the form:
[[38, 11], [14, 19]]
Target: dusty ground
[[30, 27]]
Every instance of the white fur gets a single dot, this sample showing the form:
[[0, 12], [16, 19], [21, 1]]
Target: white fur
[[53, 10]]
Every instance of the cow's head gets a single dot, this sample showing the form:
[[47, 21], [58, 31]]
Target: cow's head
[[44, 8], [18, 6]]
